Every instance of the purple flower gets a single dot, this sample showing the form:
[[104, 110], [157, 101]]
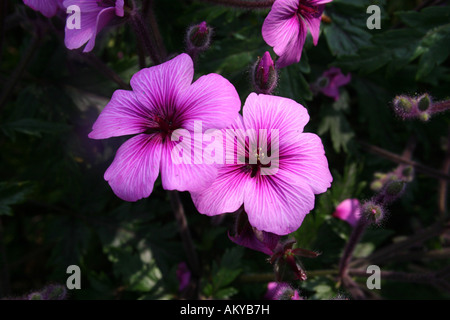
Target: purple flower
[[48, 8], [183, 275], [349, 211], [163, 100], [277, 191], [94, 16], [286, 27], [330, 81]]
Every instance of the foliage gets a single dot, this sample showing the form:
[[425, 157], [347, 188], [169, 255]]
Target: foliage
[[56, 209]]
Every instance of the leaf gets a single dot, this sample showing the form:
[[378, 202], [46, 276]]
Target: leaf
[[33, 127]]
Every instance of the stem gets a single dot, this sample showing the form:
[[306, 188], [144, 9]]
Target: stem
[[440, 106], [399, 159], [385, 253], [154, 28], [355, 236], [251, 4], [185, 234], [267, 277], [143, 35]]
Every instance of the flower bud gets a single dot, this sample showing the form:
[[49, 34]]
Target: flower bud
[[424, 116], [424, 102], [264, 74], [403, 104], [199, 37], [373, 212]]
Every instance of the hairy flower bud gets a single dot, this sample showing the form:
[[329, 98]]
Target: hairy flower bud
[[424, 102], [373, 212], [264, 74], [198, 38]]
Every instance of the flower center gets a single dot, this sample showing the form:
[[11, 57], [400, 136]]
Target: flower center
[[254, 168], [308, 10], [106, 3], [163, 125]]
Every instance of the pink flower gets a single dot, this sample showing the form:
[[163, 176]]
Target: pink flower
[[163, 99], [286, 27], [95, 15], [281, 291], [48, 8], [277, 191], [349, 211], [330, 81]]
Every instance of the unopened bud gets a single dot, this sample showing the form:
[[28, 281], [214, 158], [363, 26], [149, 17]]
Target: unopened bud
[[35, 296], [403, 104], [264, 74], [424, 102], [395, 188], [199, 36], [408, 173], [424, 116]]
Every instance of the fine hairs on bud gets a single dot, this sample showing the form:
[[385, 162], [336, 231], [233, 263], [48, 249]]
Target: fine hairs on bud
[[418, 107], [198, 39], [264, 75], [373, 212]]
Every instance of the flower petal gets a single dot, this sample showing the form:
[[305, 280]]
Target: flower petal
[[47, 7], [123, 115], [135, 168], [75, 38], [277, 113], [225, 194], [314, 23], [276, 203], [185, 175], [281, 26], [103, 18], [158, 87], [304, 160], [211, 99]]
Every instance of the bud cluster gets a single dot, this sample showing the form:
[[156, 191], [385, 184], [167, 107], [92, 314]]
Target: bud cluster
[[391, 185], [420, 107]]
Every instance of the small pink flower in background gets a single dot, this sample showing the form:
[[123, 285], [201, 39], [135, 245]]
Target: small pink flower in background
[[281, 291], [349, 211], [276, 196], [48, 8], [286, 27], [330, 81], [163, 99], [95, 15], [183, 275]]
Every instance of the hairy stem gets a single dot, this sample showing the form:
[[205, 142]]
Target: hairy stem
[[399, 159]]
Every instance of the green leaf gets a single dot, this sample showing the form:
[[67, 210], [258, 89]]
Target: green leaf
[[33, 127]]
